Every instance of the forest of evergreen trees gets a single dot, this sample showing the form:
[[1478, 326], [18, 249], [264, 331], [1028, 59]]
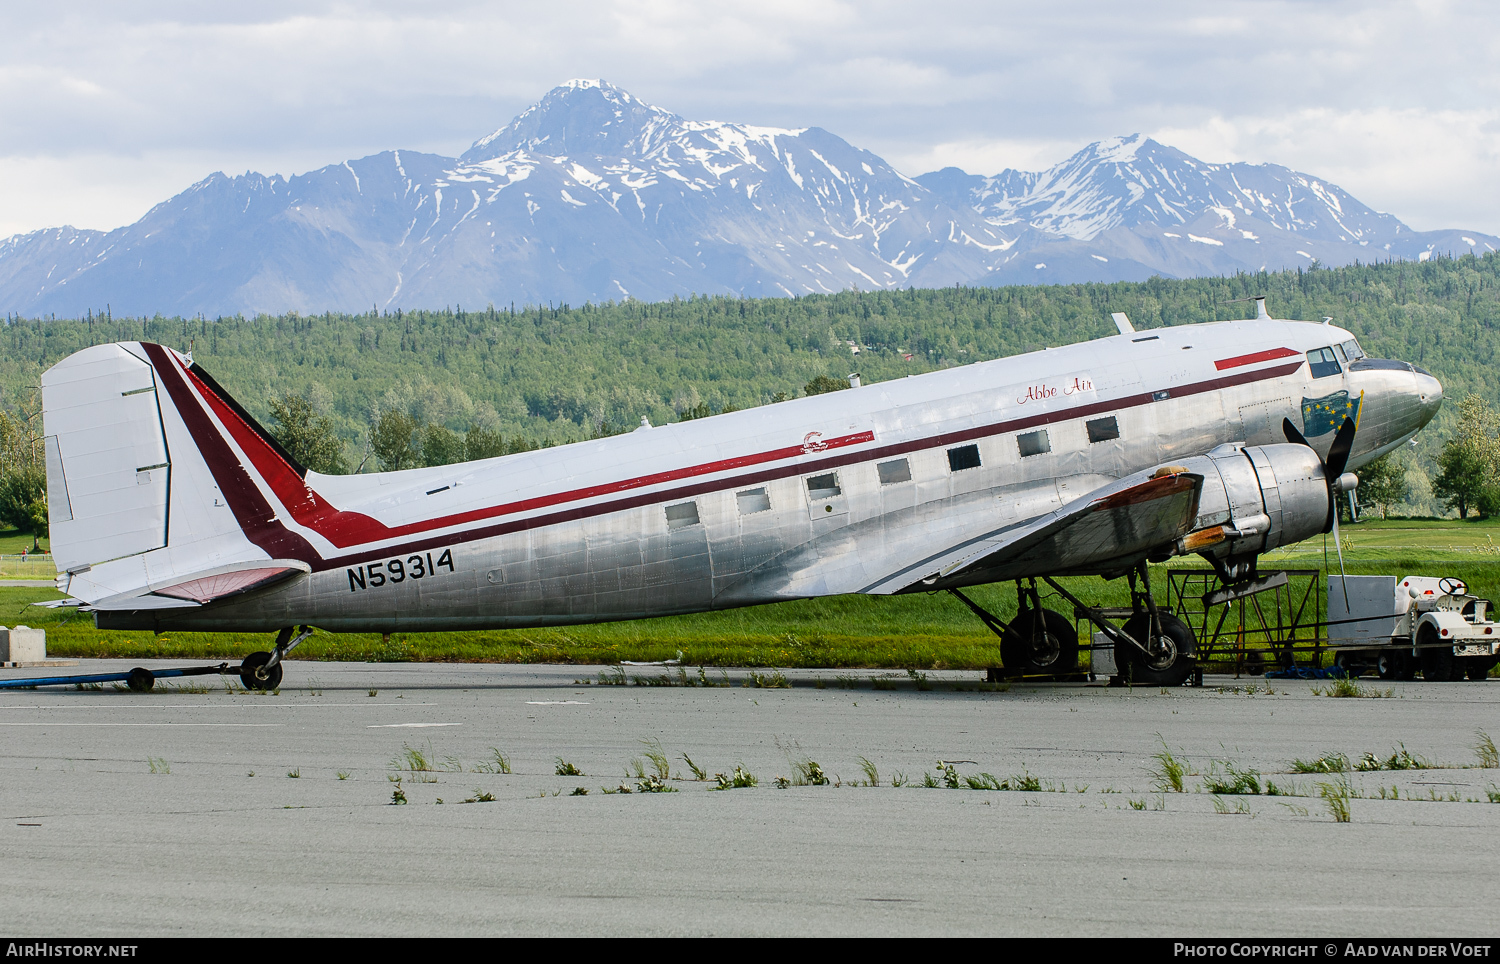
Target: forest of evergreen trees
[[556, 373]]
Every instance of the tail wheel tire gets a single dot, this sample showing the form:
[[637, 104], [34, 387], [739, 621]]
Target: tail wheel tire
[[253, 677], [1171, 667], [1033, 646]]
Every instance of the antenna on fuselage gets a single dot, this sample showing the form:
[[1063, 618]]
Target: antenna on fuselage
[[1123, 323], [1261, 314]]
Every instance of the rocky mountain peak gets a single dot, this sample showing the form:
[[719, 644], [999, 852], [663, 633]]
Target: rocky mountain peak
[[580, 117]]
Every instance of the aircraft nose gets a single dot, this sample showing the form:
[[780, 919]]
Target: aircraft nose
[[1430, 392]]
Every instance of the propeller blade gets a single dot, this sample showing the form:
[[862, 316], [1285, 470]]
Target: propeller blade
[[1291, 433], [1338, 454]]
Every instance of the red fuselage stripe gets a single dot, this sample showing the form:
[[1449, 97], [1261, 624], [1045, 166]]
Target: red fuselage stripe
[[1239, 361]]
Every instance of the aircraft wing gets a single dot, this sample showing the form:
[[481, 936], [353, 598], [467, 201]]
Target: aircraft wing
[[1110, 528]]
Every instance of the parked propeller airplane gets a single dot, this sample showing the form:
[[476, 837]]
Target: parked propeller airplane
[[172, 509]]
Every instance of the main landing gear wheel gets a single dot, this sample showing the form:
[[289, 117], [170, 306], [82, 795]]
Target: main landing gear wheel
[[1045, 646], [254, 675], [1170, 667], [140, 680]]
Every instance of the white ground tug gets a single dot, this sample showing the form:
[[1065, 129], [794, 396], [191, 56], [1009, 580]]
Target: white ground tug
[[1396, 627]]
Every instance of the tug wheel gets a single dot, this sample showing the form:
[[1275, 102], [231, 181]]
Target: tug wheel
[[253, 675]]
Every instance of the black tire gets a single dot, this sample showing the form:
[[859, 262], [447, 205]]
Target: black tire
[[1172, 669], [1478, 667], [1349, 663], [251, 676], [140, 680], [1029, 649], [1395, 664], [1438, 662]]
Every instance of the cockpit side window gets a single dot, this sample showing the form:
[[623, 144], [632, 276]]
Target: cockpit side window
[[1322, 362], [1352, 351]]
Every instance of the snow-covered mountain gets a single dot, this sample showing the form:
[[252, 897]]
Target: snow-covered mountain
[[592, 195]]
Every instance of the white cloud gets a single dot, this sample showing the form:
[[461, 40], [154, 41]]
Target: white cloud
[[87, 94]]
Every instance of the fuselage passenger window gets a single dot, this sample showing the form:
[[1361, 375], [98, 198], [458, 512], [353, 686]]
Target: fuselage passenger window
[[1103, 429], [753, 500], [896, 470], [963, 457], [1323, 363], [682, 514], [1034, 443], [823, 486]]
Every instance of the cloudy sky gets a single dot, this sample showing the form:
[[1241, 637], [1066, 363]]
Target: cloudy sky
[[108, 108]]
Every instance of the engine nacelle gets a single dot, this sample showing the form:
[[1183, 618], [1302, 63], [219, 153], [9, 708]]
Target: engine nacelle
[[1257, 498]]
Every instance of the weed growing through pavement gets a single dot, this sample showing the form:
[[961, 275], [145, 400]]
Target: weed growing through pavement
[[566, 769], [699, 773], [806, 771], [1349, 688], [343, 774], [774, 680], [658, 758], [1171, 769], [480, 796], [295, 774], [374, 692], [157, 765], [615, 676], [739, 779], [1233, 781], [920, 679], [1138, 804], [1336, 794], [847, 682], [1400, 759], [1240, 806], [422, 764], [882, 683], [872, 775], [1329, 762], [579, 792], [498, 763], [1489, 757], [898, 779], [1493, 792]]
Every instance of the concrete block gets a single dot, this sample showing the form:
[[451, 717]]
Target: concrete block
[[22, 645]]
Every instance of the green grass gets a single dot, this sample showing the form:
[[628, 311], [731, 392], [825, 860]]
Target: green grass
[[919, 631]]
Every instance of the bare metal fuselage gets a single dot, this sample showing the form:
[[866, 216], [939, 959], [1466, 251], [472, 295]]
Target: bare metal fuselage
[[740, 509]]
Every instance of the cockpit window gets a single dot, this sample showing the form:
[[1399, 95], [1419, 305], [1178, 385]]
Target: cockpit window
[[1352, 351], [1322, 362]]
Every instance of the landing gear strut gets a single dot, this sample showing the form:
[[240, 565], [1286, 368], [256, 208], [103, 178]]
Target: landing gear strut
[[1153, 647], [1038, 642], [262, 671]]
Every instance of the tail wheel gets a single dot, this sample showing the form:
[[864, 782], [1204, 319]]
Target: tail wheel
[[253, 675], [1045, 645], [1170, 667]]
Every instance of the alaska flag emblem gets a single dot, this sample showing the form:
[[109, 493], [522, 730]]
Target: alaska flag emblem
[[1323, 415]]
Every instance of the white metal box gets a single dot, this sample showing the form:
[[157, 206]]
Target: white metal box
[[1369, 596]]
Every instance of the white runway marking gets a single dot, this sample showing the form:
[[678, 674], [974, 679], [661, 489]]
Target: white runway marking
[[556, 703], [397, 726]]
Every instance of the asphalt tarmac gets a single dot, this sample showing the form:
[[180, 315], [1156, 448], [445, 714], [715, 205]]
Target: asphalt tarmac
[[201, 810]]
